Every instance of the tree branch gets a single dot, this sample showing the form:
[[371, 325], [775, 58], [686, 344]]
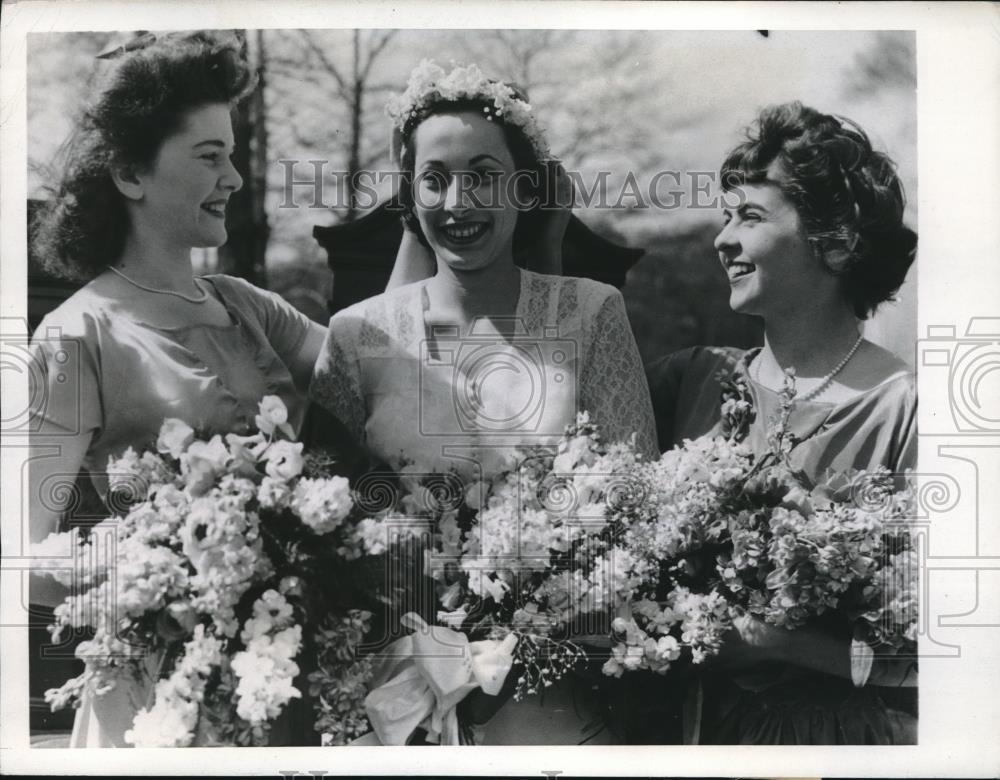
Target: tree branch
[[374, 52], [328, 65]]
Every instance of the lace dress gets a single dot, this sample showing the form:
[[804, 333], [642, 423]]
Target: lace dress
[[780, 703], [103, 372], [443, 401], [435, 401]]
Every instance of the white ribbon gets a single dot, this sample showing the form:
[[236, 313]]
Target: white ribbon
[[420, 679]]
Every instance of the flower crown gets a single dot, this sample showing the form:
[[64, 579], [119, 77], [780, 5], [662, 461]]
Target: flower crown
[[429, 84]]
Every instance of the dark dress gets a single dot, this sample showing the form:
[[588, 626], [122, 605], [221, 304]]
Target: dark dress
[[780, 703]]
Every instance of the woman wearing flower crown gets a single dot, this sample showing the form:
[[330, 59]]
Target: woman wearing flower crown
[[148, 178], [813, 242], [457, 370]]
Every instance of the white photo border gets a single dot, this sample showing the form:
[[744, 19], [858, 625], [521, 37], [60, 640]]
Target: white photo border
[[958, 110]]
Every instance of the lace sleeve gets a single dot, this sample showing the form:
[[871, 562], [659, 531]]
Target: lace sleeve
[[336, 380], [613, 385]]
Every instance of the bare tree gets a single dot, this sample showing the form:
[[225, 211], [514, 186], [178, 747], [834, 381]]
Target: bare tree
[[245, 252], [582, 84], [347, 89], [515, 55]]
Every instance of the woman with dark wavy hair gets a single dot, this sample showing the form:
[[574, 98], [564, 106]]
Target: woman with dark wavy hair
[[148, 179], [459, 370], [813, 241]]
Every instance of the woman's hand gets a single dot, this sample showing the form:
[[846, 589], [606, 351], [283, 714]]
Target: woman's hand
[[547, 252], [414, 262]]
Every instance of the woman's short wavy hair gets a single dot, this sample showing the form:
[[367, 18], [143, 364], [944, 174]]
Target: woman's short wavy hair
[[535, 176], [143, 101], [847, 195]]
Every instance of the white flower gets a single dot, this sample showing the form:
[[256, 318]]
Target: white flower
[[245, 451], [131, 478], [633, 657], [665, 649], [146, 576], [175, 436], [271, 611], [170, 497], [573, 453], [273, 416], [202, 531], [56, 556], [286, 643], [265, 670], [322, 504], [165, 725], [174, 715], [203, 463], [284, 460], [236, 489], [273, 493], [373, 536], [429, 83]]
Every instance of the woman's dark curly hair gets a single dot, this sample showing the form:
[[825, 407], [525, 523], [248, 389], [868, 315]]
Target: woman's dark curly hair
[[144, 100], [847, 195], [535, 180]]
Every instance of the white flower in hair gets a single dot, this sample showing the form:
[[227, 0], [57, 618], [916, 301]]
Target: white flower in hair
[[430, 84]]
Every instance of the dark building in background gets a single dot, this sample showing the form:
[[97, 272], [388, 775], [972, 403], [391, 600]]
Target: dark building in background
[[361, 254]]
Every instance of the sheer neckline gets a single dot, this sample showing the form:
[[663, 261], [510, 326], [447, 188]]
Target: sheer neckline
[[423, 306]]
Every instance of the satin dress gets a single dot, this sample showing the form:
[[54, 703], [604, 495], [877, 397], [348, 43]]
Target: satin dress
[[103, 371]]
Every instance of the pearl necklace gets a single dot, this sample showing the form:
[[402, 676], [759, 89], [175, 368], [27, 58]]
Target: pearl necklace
[[182, 296], [829, 377]]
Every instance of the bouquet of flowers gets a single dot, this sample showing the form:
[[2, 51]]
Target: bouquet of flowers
[[409, 544], [734, 534], [226, 572], [544, 557], [524, 568]]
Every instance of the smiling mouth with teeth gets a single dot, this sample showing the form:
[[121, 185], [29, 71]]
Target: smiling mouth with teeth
[[739, 270], [216, 208], [464, 233]]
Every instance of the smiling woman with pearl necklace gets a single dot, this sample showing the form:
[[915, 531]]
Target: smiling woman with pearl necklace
[[812, 242], [147, 179]]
